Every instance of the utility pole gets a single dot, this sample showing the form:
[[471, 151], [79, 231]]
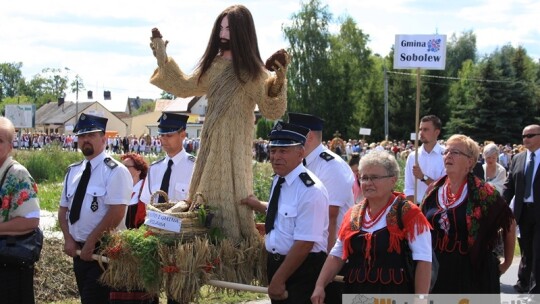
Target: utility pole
[[385, 104], [77, 100]]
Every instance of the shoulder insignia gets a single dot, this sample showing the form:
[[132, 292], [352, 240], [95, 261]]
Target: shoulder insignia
[[110, 163], [73, 165], [192, 158], [157, 161], [326, 156], [306, 179]]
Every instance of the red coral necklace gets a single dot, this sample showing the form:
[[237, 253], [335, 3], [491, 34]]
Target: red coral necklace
[[375, 219], [450, 198]]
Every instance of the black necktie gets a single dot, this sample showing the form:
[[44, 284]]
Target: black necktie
[[529, 176], [165, 181], [76, 205], [273, 206]]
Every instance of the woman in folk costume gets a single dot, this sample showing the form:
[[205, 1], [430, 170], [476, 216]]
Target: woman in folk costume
[[371, 241], [466, 214], [234, 79]]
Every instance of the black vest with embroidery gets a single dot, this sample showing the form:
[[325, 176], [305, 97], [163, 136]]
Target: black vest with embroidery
[[381, 268]]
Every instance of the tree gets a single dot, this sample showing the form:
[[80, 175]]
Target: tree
[[524, 90], [350, 68], [308, 37], [10, 79], [370, 111], [263, 128], [167, 95], [462, 99], [146, 107], [328, 74], [459, 50]]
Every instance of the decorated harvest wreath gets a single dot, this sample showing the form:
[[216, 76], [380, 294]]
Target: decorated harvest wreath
[[179, 263]]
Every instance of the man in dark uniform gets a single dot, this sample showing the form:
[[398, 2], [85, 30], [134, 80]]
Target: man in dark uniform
[[338, 179], [94, 199], [296, 219], [172, 173], [523, 184]]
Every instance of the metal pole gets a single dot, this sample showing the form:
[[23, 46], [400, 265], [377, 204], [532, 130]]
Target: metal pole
[[417, 122], [385, 104], [77, 100]]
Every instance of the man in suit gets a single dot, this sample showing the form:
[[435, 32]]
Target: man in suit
[[523, 184]]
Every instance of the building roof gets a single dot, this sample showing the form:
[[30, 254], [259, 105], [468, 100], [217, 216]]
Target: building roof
[[53, 114], [175, 105]]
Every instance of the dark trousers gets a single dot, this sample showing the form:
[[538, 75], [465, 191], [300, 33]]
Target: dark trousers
[[87, 275], [17, 284], [529, 241], [334, 291], [301, 283], [525, 263]]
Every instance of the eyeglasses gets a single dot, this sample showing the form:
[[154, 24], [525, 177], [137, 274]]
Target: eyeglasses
[[455, 153], [530, 135], [372, 178]]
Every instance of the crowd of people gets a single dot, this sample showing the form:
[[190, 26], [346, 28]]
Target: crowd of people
[[143, 144]]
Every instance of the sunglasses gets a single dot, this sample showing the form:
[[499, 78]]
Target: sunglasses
[[530, 135]]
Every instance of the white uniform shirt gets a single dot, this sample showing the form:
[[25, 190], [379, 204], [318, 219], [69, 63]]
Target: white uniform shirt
[[302, 214], [135, 193], [420, 246], [337, 177], [107, 186], [432, 165], [181, 172]]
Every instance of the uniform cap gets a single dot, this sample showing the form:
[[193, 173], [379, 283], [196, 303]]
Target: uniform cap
[[285, 134], [89, 123], [311, 122], [171, 122]]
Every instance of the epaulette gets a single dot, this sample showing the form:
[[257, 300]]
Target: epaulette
[[110, 162], [192, 158], [306, 179], [76, 164], [326, 156], [157, 161], [73, 165]]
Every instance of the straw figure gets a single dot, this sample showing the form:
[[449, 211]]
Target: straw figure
[[234, 79]]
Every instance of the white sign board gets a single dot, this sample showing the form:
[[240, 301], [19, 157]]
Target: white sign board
[[420, 51], [22, 116], [413, 136], [163, 221], [365, 131]]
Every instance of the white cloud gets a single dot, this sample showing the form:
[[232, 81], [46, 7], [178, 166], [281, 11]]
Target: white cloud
[[106, 42]]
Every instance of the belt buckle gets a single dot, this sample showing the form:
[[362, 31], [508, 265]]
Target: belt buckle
[[276, 256]]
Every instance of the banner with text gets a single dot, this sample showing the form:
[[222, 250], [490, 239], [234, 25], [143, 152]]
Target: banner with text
[[420, 51], [163, 221]]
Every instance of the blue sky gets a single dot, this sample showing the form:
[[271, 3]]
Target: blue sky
[[106, 42]]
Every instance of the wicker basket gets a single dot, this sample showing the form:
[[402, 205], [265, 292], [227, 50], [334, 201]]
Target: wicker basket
[[191, 224]]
